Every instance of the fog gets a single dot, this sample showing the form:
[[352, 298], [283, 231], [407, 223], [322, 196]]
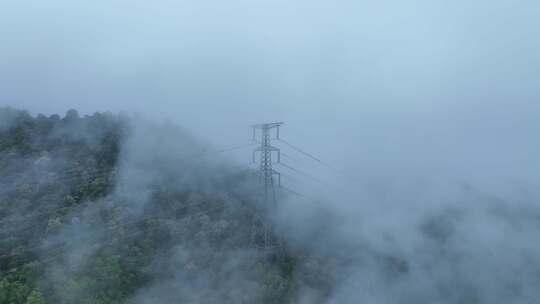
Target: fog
[[433, 75], [420, 109]]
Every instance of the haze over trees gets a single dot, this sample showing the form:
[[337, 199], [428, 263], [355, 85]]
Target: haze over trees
[[71, 234], [110, 209]]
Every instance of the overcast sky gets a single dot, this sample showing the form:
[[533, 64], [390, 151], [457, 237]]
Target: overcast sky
[[387, 85]]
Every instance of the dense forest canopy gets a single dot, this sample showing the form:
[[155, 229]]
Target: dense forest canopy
[[80, 225]]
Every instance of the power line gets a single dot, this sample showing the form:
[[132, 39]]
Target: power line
[[203, 153], [236, 147], [120, 225], [87, 175], [303, 152], [74, 174], [313, 200], [311, 156], [50, 183], [29, 227], [300, 172], [52, 258], [290, 157], [297, 179], [71, 175], [48, 214]]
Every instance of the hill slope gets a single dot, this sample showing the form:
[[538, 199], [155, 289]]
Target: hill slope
[[95, 210]]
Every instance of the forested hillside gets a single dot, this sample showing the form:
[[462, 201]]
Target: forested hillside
[[89, 215], [114, 209]]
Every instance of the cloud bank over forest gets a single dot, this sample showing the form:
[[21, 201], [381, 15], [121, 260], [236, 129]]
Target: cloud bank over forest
[[427, 112]]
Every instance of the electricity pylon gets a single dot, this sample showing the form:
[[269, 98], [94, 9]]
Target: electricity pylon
[[261, 229]]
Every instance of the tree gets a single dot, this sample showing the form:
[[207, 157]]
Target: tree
[[35, 297], [12, 292], [72, 115]]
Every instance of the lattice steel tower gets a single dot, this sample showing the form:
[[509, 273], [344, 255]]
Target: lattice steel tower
[[262, 237]]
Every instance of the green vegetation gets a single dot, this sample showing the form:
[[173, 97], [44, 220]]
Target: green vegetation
[[67, 237]]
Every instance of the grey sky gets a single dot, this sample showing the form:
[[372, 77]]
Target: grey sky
[[366, 84]]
